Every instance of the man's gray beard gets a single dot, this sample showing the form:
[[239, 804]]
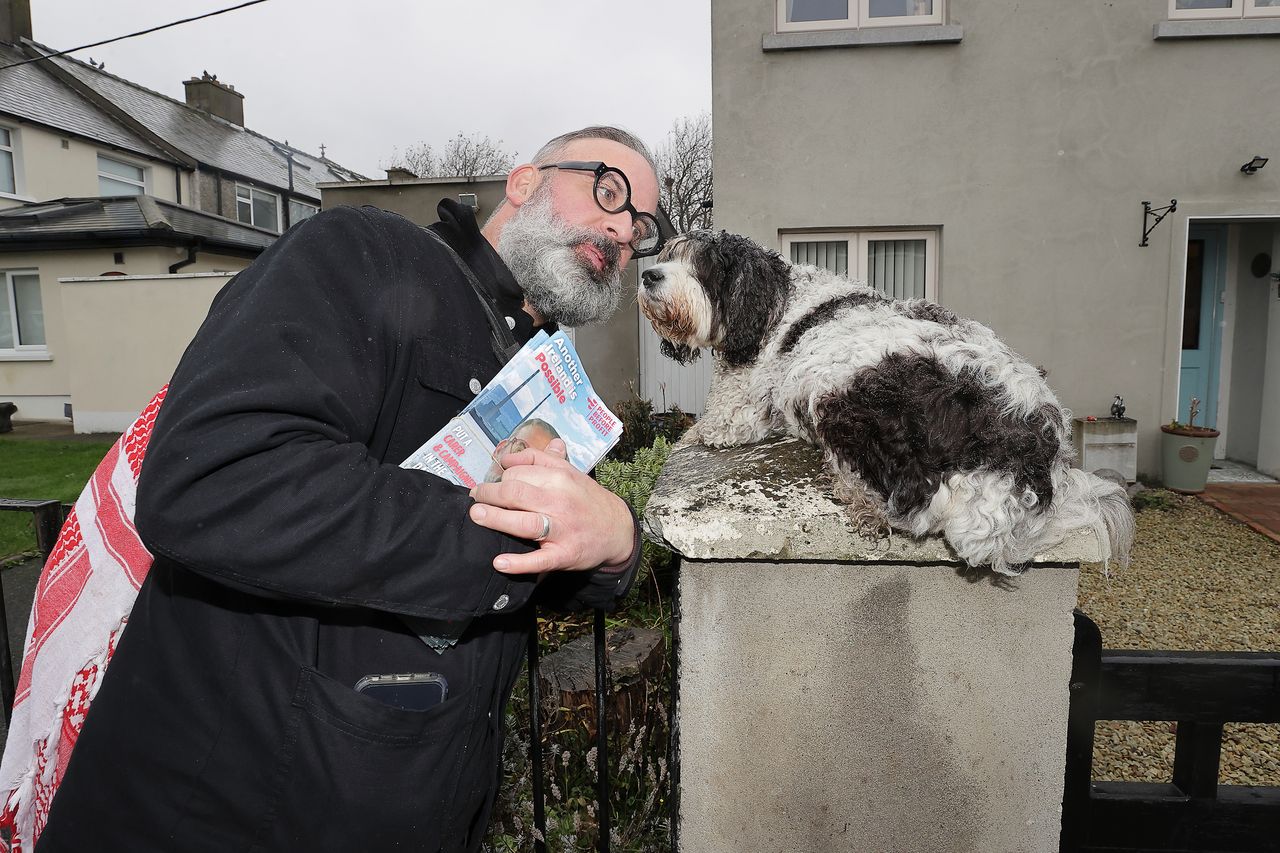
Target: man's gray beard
[[558, 283]]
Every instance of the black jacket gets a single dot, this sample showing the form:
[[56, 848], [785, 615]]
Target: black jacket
[[288, 546]]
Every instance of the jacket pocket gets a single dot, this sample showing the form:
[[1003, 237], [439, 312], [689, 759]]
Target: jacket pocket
[[357, 774], [452, 370]]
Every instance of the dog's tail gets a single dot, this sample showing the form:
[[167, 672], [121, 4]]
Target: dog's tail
[[1081, 500]]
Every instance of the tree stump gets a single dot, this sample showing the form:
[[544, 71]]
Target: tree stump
[[567, 679]]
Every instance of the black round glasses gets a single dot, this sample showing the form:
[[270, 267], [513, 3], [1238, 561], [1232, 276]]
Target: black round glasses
[[612, 192]]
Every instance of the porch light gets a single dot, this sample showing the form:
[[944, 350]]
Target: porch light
[[1253, 165]]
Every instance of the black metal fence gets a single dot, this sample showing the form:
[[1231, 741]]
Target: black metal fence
[[1200, 692], [602, 690]]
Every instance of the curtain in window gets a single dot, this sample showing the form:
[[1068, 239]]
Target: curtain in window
[[7, 182], [264, 211], [116, 178], [896, 267], [26, 293], [110, 186], [899, 8], [299, 211], [817, 10], [829, 254], [6, 321], [8, 179]]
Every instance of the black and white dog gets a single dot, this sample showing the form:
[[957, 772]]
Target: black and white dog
[[952, 431]]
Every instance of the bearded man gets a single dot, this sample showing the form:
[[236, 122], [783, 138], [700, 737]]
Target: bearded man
[[294, 559]]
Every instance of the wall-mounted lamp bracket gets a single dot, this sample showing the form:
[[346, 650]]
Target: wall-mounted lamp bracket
[[1159, 213]]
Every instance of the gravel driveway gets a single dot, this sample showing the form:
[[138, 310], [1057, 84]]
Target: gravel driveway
[[1198, 581]]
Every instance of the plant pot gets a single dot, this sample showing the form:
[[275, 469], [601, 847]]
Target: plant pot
[[1186, 454]]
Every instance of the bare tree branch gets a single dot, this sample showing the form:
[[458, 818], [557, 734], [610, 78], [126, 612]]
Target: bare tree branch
[[684, 159], [462, 156]]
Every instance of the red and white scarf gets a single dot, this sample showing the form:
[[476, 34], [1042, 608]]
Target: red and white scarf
[[82, 603]]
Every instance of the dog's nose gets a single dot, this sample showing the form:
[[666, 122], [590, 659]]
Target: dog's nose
[[652, 277]]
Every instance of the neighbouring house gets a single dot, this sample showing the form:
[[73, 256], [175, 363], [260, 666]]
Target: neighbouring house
[[996, 157], [107, 187]]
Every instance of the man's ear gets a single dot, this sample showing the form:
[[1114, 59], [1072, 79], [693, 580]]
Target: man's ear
[[521, 183]]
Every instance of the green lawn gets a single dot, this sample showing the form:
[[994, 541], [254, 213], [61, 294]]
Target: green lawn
[[40, 470]]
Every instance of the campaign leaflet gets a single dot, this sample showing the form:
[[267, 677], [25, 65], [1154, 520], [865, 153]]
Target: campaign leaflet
[[541, 394]]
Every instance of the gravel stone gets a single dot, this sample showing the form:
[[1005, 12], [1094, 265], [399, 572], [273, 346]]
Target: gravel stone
[[1199, 580]]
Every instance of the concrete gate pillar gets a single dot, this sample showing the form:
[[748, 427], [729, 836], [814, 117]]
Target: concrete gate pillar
[[841, 695]]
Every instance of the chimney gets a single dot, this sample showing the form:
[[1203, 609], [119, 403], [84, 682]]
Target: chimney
[[220, 99], [15, 20], [399, 174]]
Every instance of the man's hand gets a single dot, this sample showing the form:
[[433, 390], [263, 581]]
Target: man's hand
[[590, 525]]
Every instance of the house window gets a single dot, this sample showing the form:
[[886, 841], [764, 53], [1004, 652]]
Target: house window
[[8, 162], [116, 177], [899, 264], [257, 207], [300, 210], [1190, 9], [21, 311], [855, 14]]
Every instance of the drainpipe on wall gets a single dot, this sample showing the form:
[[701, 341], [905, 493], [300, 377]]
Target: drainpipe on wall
[[192, 251]]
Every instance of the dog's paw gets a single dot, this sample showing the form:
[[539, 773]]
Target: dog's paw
[[713, 432], [865, 509], [868, 522]]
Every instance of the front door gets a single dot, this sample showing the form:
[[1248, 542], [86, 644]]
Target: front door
[[1202, 323]]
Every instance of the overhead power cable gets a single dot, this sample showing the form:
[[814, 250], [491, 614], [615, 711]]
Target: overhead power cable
[[132, 35]]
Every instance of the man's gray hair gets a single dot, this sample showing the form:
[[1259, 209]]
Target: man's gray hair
[[554, 149]]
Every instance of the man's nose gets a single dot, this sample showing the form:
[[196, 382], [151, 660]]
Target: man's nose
[[652, 277], [619, 226]]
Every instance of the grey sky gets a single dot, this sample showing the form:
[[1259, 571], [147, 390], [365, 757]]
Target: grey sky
[[370, 76]]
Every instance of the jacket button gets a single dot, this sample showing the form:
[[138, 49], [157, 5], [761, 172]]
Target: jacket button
[[475, 386], [501, 602], [511, 322]]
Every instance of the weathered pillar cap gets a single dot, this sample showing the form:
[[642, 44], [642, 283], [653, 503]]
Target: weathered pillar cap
[[773, 501]]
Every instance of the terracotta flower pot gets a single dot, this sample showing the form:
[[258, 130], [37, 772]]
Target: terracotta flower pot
[[1186, 455]]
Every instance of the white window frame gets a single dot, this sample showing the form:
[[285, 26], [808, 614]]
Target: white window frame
[[859, 253], [276, 226], [9, 294], [144, 184], [15, 150], [1239, 9], [860, 18]]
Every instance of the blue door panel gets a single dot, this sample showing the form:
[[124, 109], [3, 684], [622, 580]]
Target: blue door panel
[[1202, 323]]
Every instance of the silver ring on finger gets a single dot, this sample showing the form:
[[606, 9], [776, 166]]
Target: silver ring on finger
[[546, 528]]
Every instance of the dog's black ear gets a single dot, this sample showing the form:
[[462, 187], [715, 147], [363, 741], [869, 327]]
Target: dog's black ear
[[681, 353], [755, 291]]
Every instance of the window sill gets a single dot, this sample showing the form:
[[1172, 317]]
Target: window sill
[[869, 37], [13, 355], [15, 197], [1217, 29]]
